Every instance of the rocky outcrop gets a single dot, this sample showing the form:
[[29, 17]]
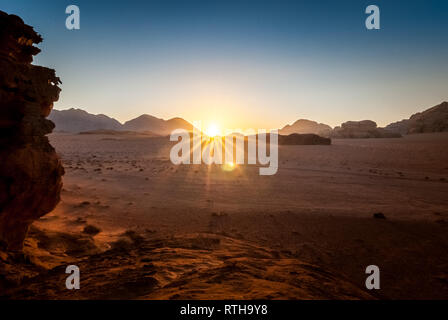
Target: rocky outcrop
[[303, 139], [362, 129], [400, 127], [434, 119], [30, 170], [306, 126]]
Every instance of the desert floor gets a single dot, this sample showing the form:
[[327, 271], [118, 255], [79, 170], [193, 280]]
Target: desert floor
[[198, 232]]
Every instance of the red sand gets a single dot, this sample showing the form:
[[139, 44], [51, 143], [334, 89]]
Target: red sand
[[199, 232]]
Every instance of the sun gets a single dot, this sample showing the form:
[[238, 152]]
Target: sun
[[213, 130], [228, 166]]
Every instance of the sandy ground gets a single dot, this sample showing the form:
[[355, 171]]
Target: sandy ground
[[198, 232]]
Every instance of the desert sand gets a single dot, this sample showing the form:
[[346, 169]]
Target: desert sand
[[140, 227]]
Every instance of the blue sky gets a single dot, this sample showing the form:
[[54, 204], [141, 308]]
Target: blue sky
[[245, 63]]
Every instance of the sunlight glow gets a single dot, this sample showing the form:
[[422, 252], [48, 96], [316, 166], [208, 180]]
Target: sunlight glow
[[229, 166], [213, 130]]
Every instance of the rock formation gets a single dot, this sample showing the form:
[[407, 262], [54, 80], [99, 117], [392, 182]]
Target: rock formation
[[303, 139], [362, 129], [400, 127], [434, 119], [30, 170], [306, 126]]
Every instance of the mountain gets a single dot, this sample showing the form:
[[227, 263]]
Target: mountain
[[77, 120], [159, 126], [434, 119], [306, 126]]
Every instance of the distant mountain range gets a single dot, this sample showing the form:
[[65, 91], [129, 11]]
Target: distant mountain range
[[159, 126], [77, 120], [434, 119]]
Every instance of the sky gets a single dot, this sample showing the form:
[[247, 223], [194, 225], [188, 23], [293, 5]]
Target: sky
[[245, 64]]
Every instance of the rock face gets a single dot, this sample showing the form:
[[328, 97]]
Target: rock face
[[77, 120], [400, 127], [307, 126], [30, 170], [362, 129], [434, 119]]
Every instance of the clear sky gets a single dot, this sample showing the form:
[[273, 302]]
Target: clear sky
[[245, 64]]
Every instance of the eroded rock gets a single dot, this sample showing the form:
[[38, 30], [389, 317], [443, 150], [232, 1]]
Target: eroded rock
[[434, 119], [362, 129], [30, 170]]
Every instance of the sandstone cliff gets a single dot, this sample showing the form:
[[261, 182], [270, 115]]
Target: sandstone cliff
[[434, 119]]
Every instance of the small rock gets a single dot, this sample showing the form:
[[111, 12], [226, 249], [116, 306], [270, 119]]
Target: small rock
[[379, 215], [91, 230]]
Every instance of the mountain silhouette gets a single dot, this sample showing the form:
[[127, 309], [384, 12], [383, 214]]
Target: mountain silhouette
[[159, 126], [434, 119], [78, 120]]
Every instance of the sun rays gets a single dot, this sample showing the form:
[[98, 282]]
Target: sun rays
[[214, 144], [209, 146]]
